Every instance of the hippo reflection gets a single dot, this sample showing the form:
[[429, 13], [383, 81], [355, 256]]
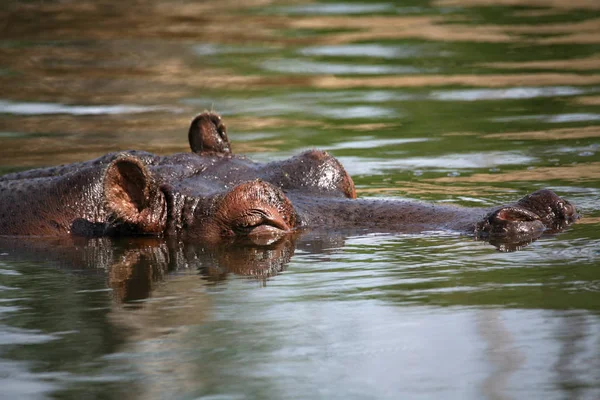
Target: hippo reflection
[[134, 266], [212, 195]]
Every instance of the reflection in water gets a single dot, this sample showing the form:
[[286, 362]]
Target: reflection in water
[[550, 134], [502, 354], [572, 334], [568, 173], [411, 81], [589, 100], [581, 64], [369, 28], [160, 324], [190, 321], [136, 267], [561, 5], [157, 298]]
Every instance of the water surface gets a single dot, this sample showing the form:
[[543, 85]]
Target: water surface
[[469, 102]]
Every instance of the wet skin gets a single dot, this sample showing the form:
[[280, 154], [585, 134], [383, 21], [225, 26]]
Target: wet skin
[[212, 195]]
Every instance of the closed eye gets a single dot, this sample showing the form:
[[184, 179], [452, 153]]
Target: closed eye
[[253, 219]]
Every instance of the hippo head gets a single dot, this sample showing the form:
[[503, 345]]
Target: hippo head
[[255, 209], [212, 194]]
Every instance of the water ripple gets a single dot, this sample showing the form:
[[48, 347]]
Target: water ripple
[[360, 165], [504, 94], [8, 107], [13, 336], [337, 8], [558, 118], [363, 50], [316, 68]]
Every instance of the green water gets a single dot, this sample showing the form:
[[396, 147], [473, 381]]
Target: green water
[[450, 101]]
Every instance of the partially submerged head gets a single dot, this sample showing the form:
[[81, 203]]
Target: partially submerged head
[[137, 203]]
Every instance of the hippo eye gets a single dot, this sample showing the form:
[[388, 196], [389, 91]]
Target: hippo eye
[[258, 222]]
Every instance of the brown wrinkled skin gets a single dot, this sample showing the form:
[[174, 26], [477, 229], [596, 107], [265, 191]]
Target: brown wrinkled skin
[[211, 194]]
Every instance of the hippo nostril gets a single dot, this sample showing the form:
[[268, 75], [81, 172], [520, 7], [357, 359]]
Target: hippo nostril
[[568, 211], [514, 214], [512, 223]]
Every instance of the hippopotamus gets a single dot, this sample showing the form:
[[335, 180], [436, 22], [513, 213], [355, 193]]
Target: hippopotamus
[[212, 195]]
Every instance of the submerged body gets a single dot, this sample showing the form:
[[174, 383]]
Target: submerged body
[[211, 194]]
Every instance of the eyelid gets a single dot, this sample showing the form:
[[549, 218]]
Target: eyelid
[[258, 217], [252, 214]]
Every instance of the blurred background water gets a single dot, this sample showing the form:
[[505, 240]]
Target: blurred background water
[[472, 102]]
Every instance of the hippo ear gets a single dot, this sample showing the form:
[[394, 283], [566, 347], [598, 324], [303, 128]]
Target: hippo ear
[[133, 199], [207, 134]]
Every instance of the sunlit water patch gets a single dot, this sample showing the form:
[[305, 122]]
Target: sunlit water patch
[[9, 107], [357, 112], [509, 93], [13, 336], [455, 162], [304, 67], [337, 8], [346, 96], [18, 382], [370, 50], [210, 49], [284, 105], [371, 142]]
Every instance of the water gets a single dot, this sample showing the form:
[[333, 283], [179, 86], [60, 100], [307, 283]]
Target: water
[[449, 101]]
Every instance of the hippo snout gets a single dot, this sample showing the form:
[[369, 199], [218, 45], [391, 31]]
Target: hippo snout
[[511, 222]]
